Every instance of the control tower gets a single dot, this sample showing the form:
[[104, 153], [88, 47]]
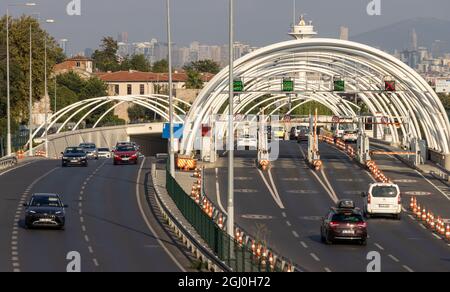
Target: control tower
[[303, 30]]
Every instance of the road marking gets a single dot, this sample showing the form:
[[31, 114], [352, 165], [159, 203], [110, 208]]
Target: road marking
[[411, 216], [81, 219], [83, 228], [147, 222], [379, 246], [304, 244], [86, 238], [91, 250], [268, 186], [408, 269], [437, 236], [316, 258], [95, 262], [219, 199], [423, 227], [431, 183], [278, 198], [327, 270], [288, 223], [394, 258], [284, 215], [15, 168], [295, 234]]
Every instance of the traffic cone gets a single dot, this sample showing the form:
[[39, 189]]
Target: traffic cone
[[424, 215], [220, 221], [419, 212], [447, 232]]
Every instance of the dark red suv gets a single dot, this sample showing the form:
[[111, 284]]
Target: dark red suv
[[345, 223], [126, 154]]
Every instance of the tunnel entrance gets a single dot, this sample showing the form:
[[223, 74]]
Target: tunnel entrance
[[151, 144]]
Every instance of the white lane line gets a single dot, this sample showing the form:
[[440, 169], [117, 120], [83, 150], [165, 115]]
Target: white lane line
[[284, 215], [83, 228], [327, 270], [15, 168], [295, 234], [278, 198], [304, 244], [422, 226], [408, 269], [219, 198], [394, 258], [379, 246], [437, 236], [95, 262], [411, 216], [431, 183], [268, 186], [316, 258], [86, 238], [288, 223], [147, 222], [91, 250]]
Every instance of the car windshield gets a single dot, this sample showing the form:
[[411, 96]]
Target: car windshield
[[384, 192], [278, 129], [103, 149], [45, 201], [125, 148], [343, 218], [74, 151]]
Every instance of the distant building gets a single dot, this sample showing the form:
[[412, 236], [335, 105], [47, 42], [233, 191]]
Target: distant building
[[344, 33], [414, 40], [83, 66], [303, 30]]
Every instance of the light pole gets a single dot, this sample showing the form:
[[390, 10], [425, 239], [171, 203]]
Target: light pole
[[230, 206], [46, 97], [8, 85], [171, 114], [30, 101]]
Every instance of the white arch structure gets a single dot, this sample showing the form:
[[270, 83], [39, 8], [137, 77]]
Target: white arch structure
[[364, 69], [155, 102]]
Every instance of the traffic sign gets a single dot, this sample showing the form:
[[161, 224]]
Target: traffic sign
[[339, 85], [389, 85], [238, 85], [177, 131], [288, 85]]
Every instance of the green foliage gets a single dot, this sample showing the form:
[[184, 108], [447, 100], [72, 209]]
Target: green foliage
[[161, 67], [19, 75], [445, 99], [203, 66], [140, 114], [194, 80], [106, 59], [139, 63]]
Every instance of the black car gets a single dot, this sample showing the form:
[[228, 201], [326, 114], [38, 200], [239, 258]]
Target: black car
[[45, 210], [344, 222], [74, 156]]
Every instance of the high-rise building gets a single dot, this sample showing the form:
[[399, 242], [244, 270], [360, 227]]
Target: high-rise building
[[122, 37], [414, 40], [63, 45], [344, 33], [88, 52]]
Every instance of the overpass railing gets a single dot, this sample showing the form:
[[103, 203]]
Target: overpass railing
[[7, 162], [239, 256]]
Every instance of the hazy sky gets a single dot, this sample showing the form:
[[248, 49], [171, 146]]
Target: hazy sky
[[258, 22]]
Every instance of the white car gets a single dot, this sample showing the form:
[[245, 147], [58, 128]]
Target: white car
[[383, 199], [104, 153], [350, 136], [247, 142]]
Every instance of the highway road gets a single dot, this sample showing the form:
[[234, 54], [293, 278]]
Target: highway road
[[109, 222], [284, 206]]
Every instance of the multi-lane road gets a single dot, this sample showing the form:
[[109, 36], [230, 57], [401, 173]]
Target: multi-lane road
[[284, 206], [109, 221]]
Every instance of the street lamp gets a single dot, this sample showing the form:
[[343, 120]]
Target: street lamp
[[46, 97], [171, 108], [8, 86], [230, 206]]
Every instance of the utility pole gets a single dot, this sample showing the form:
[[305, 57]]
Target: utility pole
[[230, 206], [171, 108]]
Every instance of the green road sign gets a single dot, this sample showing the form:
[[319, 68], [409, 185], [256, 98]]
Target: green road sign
[[238, 85], [339, 85], [288, 85]]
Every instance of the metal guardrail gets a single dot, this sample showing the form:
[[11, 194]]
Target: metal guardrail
[[7, 162], [238, 256], [213, 262]]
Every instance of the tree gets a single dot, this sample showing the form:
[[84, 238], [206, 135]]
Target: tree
[[161, 67], [194, 80], [106, 59], [445, 99], [140, 114], [19, 74], [203, 66]]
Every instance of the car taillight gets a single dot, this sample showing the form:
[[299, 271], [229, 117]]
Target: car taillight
[[334, 224], [362, 225], [369, 199], [399, 199]]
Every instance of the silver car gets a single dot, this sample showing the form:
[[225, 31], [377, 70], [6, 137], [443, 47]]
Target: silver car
[[91, 150]]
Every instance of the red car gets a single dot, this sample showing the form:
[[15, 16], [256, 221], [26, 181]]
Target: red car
[[126, 154]]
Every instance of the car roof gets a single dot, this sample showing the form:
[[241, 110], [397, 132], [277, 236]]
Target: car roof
[[45, 195]]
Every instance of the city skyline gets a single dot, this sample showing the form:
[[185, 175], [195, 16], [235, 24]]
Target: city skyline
[[269, 25]]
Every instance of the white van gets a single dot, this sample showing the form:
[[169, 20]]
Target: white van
[[383, 199]]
